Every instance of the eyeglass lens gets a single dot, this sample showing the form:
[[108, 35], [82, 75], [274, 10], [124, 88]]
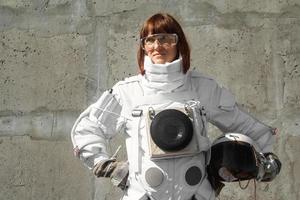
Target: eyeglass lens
[[162, 39]]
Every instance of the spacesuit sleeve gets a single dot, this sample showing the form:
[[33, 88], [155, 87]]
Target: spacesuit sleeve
[[228, 117], [95, 126]]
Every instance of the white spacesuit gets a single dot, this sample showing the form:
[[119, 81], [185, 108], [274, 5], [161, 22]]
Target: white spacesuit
[[129, 106]]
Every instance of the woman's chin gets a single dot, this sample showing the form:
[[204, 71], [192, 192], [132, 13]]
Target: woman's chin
[[159, 61]]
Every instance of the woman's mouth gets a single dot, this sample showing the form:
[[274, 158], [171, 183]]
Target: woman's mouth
[[158, 54]]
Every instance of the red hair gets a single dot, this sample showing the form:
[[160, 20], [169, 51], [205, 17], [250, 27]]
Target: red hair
[[164, 23]]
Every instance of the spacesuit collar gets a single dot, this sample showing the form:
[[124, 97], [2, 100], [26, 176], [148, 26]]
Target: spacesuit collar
[[163, 77], [169, 67]]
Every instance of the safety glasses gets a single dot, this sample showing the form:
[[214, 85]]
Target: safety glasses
[[163, 39]]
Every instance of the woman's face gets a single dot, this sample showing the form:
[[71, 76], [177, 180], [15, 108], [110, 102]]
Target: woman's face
[[161, 48]]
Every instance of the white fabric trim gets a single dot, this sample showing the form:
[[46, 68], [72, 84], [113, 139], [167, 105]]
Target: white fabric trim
[[162, 98], [163, 77]]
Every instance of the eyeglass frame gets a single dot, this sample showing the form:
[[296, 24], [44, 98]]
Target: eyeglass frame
[[143, 39]]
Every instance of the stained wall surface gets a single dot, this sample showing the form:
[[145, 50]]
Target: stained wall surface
[[58, 56]]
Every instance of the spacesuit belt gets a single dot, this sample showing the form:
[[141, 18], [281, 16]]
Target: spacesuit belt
[[204, 143], [136, 152], [165, 98], [208, 153]]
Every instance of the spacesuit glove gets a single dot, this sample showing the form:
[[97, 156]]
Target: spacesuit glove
[[120, 175], [272, 167], [105, 168], [117, 171]]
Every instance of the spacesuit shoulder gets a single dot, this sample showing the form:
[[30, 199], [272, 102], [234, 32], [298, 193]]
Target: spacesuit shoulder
[[126, 84], [201, 79], [128, 80], [196, 74], [127, 87]]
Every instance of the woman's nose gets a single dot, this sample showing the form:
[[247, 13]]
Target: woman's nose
[[156, 44]]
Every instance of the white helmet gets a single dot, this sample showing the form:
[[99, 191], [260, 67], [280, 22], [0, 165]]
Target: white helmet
[[236, 157]]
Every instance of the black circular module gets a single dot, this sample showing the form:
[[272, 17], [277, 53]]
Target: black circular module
[[193, 175], [171, 130]]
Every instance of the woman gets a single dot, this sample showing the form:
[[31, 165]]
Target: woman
[[159, 168]]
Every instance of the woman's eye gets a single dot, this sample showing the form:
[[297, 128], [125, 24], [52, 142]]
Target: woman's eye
[[163, 39], [150, 40]]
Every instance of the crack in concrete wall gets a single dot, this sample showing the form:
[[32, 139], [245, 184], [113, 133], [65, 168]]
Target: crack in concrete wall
[[43, 124]]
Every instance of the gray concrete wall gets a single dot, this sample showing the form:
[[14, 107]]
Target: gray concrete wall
[[58, 56]]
